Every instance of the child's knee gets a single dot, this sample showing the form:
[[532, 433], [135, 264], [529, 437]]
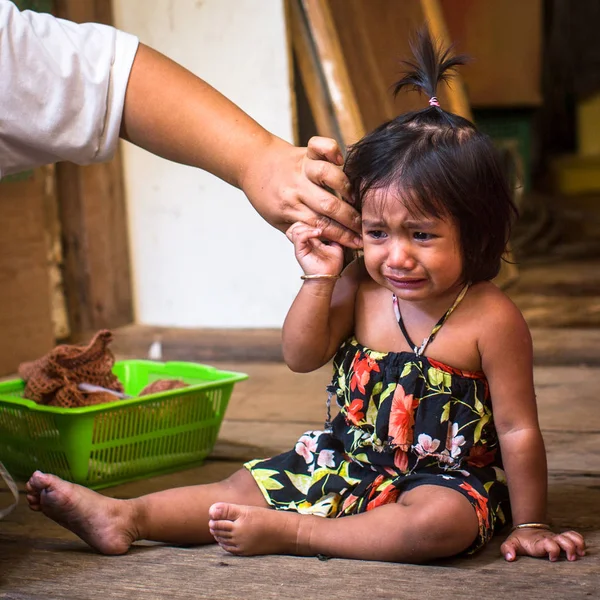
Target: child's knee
[[441, 528]]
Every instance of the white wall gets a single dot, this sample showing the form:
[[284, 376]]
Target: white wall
[[201, 256]]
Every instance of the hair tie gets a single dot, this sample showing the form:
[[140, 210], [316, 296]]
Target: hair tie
[[433, 101]]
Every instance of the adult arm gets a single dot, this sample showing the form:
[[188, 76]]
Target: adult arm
[[62, 89], [68, 92]]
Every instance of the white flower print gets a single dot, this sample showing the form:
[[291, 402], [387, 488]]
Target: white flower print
[[305, 447], [426, 445], [325, 459], [454, 441]]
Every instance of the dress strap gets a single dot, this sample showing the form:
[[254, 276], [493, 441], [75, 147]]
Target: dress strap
[[418, 350]]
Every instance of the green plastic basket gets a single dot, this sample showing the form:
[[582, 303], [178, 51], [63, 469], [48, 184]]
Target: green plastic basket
[[108, 444]]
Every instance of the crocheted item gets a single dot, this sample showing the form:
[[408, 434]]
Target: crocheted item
[[54, 378], [163, 385]]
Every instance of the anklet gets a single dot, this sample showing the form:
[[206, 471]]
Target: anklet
[[320, 276], [531, 526]]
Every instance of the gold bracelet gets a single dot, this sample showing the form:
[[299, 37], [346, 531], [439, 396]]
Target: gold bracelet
[[531, 526], [320, 276]]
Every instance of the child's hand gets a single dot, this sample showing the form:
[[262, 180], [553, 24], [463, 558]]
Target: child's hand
[[539, 543], [315, 255]]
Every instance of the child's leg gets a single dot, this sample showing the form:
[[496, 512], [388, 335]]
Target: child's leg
[[178, 516], [426, 523]]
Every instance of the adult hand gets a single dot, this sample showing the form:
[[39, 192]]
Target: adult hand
[[286, 184]]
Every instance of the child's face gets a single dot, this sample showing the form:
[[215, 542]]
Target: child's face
[[416, 257]]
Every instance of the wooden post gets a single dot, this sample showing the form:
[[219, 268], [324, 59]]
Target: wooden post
[[335, 71], [97, 276]]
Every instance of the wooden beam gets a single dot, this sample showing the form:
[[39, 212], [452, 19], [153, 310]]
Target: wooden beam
[[26, 330], [335, 71], [310, 72], [97, 277]]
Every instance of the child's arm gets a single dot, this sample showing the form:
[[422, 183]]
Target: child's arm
[[322, 315], [507, 360]]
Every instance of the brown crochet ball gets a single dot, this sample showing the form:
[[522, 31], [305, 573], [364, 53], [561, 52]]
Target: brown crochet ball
[[54, 378], [163, 385]]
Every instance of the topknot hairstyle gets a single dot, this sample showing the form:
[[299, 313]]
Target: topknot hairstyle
[[439, 164]]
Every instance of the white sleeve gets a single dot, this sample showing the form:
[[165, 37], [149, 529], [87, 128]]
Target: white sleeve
[[62, 89]]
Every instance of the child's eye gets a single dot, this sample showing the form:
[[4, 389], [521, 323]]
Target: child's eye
[[422, 236], [377, 234]]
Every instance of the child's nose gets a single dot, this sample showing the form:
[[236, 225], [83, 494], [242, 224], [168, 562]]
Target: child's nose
[[400, 257]]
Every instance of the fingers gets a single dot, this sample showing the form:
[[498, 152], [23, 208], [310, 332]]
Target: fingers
[[300, 233], [326, 174], [579, 541], [321, 148], [571, 543], [338, 220], [510, 549]]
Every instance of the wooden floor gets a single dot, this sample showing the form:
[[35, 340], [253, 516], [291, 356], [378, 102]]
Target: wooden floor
[[267, 413]]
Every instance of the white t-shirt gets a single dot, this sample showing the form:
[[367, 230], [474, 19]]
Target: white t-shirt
[[62, 89]]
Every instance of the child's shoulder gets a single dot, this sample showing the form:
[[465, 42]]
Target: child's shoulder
[[497, 315], [493, 303]]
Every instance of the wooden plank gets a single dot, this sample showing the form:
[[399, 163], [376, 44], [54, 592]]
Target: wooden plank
[[575, 347], [200, 345], [97, 274], [573, 451], [60, 318], [335, 69], [26, 327], [499, 35], [310, 72], [568, 398], [48, 569]]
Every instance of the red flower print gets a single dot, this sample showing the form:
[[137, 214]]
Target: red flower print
[[448, 369], [373, 487], [480, 456], [482, 508], [402, 418], [354, 412], [362, 372], [401, 460], [349, 502], [386, 496]]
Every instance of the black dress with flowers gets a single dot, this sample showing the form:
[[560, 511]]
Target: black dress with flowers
[[405, 420]]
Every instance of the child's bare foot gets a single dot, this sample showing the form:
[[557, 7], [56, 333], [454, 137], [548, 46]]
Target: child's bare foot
[[104, 523], [250, 530]]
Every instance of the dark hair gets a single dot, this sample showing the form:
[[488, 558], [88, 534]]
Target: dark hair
[[440, 165]]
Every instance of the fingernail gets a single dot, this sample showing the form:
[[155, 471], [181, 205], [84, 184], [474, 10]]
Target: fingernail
[[358, 241]]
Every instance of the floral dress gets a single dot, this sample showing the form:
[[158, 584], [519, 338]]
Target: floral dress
[[405, 420]]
